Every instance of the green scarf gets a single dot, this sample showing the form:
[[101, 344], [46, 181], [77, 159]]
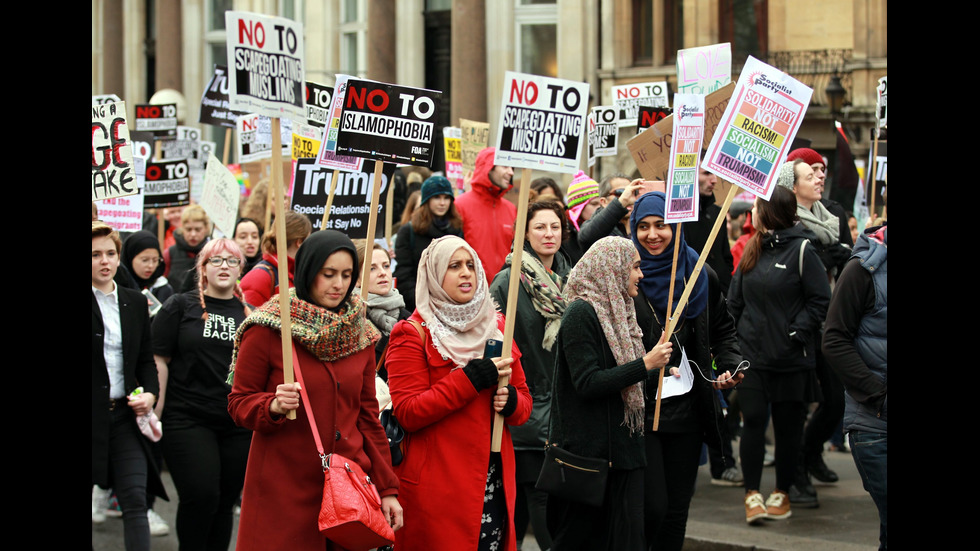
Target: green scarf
[[544, 288], [326, 334]]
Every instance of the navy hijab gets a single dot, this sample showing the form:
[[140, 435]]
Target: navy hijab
[[655, 284], [310, 258]]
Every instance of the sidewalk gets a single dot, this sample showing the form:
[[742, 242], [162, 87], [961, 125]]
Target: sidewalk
[[846, 519]]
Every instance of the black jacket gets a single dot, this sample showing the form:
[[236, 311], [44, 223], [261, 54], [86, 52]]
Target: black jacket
[[408, 251], [710, 334], [139, 369], [778, 311], [604, 222], [696, 234]]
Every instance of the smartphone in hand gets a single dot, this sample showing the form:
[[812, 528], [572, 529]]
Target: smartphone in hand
[[493, 349]]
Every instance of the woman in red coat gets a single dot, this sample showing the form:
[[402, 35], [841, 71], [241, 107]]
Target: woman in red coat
[[335, 350], [457, 494]]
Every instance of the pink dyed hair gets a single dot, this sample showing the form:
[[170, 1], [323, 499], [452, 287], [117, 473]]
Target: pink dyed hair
[[216, 247]]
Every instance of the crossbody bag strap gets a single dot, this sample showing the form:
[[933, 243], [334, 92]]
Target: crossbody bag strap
[[418, 327], [309, 409]]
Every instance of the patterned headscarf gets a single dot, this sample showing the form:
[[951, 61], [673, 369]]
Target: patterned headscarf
[[601, 278], [459, 331]]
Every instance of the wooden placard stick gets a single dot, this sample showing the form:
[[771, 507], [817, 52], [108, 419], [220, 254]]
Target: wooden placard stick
[[682, 302], [515, 279], [275, 190], [270, 194], [326, 208], [874, 164], [160, 230], [224, 156], [389, 206], [665, 335], [372, 227]]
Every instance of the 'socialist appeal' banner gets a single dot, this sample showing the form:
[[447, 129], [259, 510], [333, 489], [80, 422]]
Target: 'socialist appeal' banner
[[386, 122], [629, 97], [685, 150], [112, 155], [215, 106], [704, 70], [757, 128], [351, 205], [541, 123], [265, 57]]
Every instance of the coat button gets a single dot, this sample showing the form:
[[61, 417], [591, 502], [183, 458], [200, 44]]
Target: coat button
[[337, 436]]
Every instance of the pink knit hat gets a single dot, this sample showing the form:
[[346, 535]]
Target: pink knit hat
[[582, 190]]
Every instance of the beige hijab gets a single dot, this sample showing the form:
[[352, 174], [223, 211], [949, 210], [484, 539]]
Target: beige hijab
[[459, 331]]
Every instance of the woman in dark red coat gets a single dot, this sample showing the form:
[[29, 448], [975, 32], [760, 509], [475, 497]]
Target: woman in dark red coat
[[335, 348], [457, 494]]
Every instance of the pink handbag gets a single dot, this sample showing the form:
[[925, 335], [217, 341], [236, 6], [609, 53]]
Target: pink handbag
[[350, 514]]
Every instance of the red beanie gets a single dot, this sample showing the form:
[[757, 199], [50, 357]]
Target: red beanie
[[808, 155]]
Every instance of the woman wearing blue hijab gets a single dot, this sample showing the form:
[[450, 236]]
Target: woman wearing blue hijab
[[691, 415]]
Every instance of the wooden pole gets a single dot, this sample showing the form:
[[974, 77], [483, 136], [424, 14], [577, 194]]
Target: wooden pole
[[326, 208], [372, 227], [874, 164], [682, 302], [666, 335], [275, 189], [270, 195], [224, 156], [515, 279], [161, 233], [389, 206]]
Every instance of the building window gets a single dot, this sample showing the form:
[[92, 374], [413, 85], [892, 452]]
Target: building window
[[744, 24], [536, 30], [353, 38], [642, 32]]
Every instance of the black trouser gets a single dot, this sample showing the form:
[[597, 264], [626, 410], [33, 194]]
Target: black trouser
[[787, 424], [128, 470], [827, 417], [208, 470], [615, 526], [669, 481]]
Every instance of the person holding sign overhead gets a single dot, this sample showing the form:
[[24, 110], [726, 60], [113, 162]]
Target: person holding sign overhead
[[597, 406], [442, 374], [779, 298], [333, 345], [691, 414]]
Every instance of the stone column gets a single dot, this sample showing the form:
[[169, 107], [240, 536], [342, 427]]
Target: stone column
[[113, 74], [381, 41], [469, 62], [169, 57]]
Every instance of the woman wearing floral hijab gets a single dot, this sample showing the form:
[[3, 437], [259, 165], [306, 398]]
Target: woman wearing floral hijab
[[457, 494], [597, 405]]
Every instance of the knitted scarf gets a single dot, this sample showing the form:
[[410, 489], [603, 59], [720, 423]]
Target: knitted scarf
[[383, 310], [819, 220], [544, 288], [327, 335], [601, 278]]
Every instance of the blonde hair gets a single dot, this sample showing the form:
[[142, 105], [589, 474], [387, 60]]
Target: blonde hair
[[101, 229], [195, 213], [298, 226]]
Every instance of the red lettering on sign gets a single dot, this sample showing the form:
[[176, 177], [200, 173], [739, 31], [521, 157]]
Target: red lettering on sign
[[252, 29], [526, 92], [147, 112]]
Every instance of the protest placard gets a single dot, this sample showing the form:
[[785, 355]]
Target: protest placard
[[112, 155], [105, 98], [648, 116], [305, 141], [451, 138], [158, 120], [386, 122], [606, 131], [265, 59], [629, 97], [591, 126], [125, 213], [650, 149], [318, 101], [757, 128], [221, 195], [167, 184], [251, 146], [351, 206], [474, 137], [332, 130], [682, 177], [215, 105], [881, 113], [541, 123], [185, 145], [705, 69]]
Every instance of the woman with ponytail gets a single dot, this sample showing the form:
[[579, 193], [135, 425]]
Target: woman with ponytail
[[193, 338]]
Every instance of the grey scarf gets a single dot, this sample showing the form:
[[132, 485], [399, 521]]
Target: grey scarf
[[820, 222], [382, 310]]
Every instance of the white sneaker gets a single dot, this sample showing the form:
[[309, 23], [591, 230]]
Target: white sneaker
[[158, 526], [100, 500]]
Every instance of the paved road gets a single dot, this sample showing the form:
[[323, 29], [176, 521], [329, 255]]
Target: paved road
[[846, 520]]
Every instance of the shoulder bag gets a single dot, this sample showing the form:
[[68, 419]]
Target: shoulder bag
[[569, 476], [350, 513]]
